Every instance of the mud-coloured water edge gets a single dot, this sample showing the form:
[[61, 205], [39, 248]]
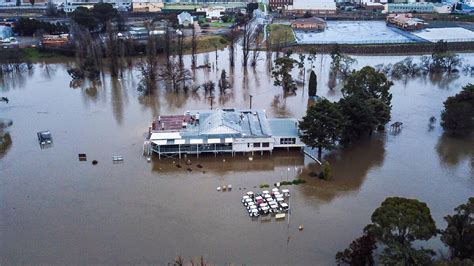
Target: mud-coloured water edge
[[55, 209]]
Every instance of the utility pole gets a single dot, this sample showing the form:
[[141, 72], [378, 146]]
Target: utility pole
[[251, 101]]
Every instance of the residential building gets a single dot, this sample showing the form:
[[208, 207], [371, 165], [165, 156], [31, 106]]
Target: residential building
[[312, 23], [147, 5], [405, 21], [279, 4], [71, 5], [185, 19], [312, 6], [221, 131], [409, 8], [5, 32]]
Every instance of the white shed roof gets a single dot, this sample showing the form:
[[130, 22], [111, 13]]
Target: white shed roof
[[165, 135]]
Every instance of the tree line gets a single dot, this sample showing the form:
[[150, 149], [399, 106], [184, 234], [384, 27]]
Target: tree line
[[399, 222]]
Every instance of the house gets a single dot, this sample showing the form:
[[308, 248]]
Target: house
[[221, 131], [405, 21], [409, 8], [5, 32], [147, 6], [185, 19], [312, 6], [279, 4], [312, 23]]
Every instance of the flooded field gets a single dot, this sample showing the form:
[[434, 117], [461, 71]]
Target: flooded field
[[57, 210]]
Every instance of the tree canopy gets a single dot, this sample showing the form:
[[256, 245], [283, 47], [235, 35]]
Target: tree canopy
[[321, 126], [459, 233], [458, 114], [368, 83], [397, 223], [313, 84], [96, 17], [282, 73], [359, 252]]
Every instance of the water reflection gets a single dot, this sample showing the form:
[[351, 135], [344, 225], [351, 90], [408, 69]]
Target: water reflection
[[117, 99], [350, 167], [453, 150], [5, 137], [223, 164]]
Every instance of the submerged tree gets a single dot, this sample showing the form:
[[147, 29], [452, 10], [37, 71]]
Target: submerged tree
[[149, 66], [458, 114], [313, 84], [459, 233], [397, 223], [193, 46], [282, 73], [321, 126], [174, 75], [232, 37], [246, 42], [359, 252]]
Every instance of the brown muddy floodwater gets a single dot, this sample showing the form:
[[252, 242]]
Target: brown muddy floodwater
[[57, 210]]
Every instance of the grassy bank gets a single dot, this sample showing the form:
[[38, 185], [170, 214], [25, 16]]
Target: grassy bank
[[280, 34], [206, 43]]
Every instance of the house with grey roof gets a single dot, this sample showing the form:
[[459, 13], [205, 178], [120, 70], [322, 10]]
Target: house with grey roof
[[185, 19]]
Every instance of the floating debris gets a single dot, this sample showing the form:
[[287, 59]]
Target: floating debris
[[199, 166], [189, 169], [300, 227], [117, 159], [188, 162], [45, 139], [94, 162], [148, 159], [218, 188], [229, 187], [178, 165], [82, 157]]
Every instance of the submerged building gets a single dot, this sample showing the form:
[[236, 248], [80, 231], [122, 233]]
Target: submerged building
[[221, 131]]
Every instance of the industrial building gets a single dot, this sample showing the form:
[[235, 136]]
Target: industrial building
[[220, 131]]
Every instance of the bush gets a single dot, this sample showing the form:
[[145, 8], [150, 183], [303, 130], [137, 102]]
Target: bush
[[264, 185]]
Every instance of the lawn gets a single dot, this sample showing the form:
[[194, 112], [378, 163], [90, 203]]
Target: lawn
[[280, 34]]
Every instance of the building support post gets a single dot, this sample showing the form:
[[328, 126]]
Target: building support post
[[179, 151], [197, 149]]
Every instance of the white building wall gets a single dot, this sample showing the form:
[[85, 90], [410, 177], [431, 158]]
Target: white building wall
[[327, 5], [248, 144]]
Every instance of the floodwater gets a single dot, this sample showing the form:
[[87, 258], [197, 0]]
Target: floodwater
[[57, 210]]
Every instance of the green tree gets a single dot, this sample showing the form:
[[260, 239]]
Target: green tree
[[368, 83], [459, 233], [282, 73], [321, 125], [104, 12], [358, 120], [84, 17], [396, 224], [359, 252], [458, 114], [313, 84], [32, 2]]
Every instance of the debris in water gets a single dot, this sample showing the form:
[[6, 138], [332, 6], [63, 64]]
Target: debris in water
[[94, 162], [218, 188], [189, 169], [178, 165], [199, 166], [82, 157], [300, 227], [188, 162]]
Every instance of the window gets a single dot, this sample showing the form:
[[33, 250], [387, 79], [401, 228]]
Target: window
[[265, 144], [256, 145], [288, 141]]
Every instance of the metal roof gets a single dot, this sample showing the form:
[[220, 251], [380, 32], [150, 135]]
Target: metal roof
[[284, 127]]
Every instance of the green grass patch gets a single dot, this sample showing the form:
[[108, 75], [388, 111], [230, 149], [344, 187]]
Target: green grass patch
[[280, 34]]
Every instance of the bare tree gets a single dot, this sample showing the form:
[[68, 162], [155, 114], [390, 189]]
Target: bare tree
[[148, 67], [112, 50], [193, 47], [175, 75], [232, 37], [246, 41], [180, 47]]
